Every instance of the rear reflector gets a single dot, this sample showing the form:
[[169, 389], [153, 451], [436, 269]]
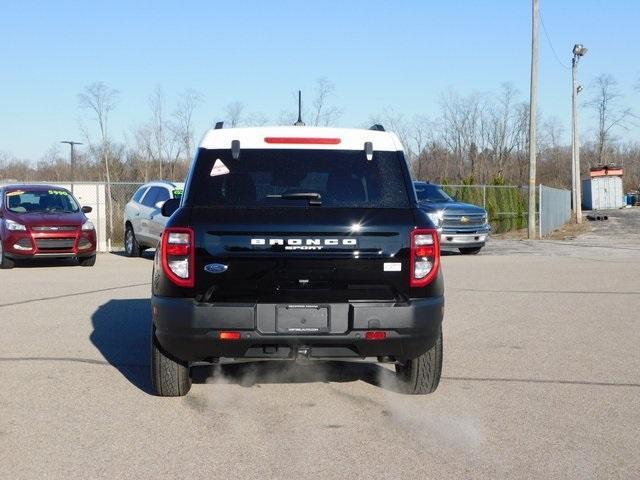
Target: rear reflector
[[376, 335], [303, 140], [229, 336]]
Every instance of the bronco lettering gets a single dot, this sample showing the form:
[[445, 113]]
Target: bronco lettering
[[306, 242]]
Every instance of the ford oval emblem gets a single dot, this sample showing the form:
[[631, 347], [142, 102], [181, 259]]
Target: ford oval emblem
[[216, 268]]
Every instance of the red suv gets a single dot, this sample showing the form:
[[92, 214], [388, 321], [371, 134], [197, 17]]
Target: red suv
[[44, 221]]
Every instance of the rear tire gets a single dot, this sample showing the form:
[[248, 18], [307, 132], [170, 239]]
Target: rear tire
[[131, 245], [421, 375], [470, 250], [170, 377], [5, 262], [87, 261]]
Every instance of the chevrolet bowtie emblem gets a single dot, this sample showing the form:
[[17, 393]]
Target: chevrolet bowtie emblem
[[464, 219]]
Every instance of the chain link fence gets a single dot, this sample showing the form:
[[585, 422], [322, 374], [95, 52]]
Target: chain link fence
[[555, 209], [121, 193], [506, 205], [113, 212]]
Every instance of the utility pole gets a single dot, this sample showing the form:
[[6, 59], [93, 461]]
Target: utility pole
[[576, 191], [533, 113], [73, 161]]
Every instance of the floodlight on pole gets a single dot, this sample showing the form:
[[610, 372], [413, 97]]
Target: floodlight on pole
[[579, 50], [71, 143]]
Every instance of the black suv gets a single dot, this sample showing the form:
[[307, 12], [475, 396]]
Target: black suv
[[298, 242]]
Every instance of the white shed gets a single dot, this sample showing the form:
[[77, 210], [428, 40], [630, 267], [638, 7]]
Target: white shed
[[602, 193]]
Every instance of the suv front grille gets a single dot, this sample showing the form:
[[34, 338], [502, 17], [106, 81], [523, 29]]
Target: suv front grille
[[55, 228], [55, 243], [464, 220]]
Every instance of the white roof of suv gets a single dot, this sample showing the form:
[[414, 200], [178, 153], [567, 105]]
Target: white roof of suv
[[301, 138]]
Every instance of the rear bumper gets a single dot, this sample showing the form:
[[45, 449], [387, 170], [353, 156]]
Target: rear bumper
[[190, 331]]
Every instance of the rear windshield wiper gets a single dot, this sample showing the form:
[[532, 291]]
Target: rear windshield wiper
[[313, 197]]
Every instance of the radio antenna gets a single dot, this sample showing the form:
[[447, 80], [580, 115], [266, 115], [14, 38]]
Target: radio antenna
[[299, 123]]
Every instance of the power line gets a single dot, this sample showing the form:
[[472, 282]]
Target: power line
[[546, 34]]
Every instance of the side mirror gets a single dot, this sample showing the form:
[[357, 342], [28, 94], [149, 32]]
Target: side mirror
[[169, 207], [160, 204], [86, 209]]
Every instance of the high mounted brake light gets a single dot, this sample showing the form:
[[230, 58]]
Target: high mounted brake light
[[178, 255], [303, 140], [425, 257]]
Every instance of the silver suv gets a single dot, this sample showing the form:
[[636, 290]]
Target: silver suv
[[143, 221]]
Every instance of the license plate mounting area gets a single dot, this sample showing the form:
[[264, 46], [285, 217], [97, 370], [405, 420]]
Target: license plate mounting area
[[302, 319]]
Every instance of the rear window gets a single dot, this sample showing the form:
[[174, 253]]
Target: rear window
[[272, 177]]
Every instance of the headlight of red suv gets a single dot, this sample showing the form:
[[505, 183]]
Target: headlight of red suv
[[88, 226], [14, 226]]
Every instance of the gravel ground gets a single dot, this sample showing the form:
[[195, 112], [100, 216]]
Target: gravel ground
[[617, 237]]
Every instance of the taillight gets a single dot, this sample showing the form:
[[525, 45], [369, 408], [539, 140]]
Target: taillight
[[178, 248], [425, 257]]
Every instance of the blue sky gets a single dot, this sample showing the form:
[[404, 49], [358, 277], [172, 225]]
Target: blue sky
[[379, 54]]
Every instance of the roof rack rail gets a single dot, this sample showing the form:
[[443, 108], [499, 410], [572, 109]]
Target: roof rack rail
[[377, 127], [218, 126]]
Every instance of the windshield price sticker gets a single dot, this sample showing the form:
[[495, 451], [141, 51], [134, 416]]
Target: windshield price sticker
[[57, 192]]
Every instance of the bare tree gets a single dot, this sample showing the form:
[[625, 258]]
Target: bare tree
[[323, 113], [610, 113], [4, 160], [462, 126], [234, 111], [54, 165], [13, 169], [158, 127], [256, 119], [395, 122], [100, 100], [501, 127], [288, 117], [189, 101], [144, 149], [419, 134], [554, 157]]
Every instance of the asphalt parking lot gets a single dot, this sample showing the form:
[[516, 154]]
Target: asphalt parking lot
[[541, 380]]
